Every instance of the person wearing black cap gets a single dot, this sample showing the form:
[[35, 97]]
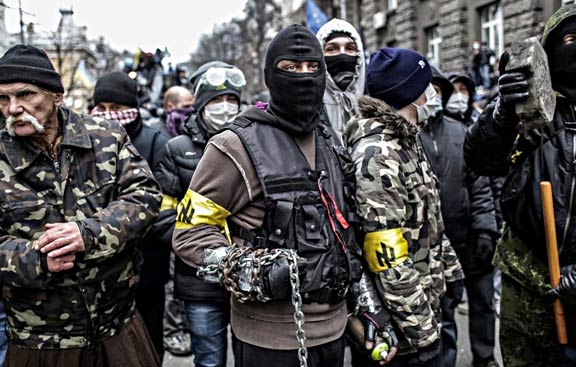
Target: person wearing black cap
[[399, 203], [76, 199], [217, 87], [497, 144], [469, 219], [116, 98], [273, 210]]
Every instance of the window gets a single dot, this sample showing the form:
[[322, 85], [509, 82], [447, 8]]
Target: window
[[492, 27], [433, 39], [392, 4]]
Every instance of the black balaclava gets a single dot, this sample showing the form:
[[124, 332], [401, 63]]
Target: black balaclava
[[295, 98], [562, 59]]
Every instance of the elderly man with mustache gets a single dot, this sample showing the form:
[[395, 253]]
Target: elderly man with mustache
[[75, 197]]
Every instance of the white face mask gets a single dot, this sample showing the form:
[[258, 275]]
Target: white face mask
[[426, 110], [437, 106], [217, 115], [458, 103]]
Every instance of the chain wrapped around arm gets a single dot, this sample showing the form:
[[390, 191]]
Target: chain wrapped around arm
[[240, 274]]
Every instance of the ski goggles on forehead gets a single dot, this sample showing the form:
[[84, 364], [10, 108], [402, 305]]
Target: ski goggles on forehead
[[216, 77]]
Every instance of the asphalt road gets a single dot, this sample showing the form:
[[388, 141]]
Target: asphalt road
[[464, 358]]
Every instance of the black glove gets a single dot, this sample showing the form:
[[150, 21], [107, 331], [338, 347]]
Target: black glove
[[379, 324], [276, 278], [454, 293], [567, 287], [484, 251], [513, 87]]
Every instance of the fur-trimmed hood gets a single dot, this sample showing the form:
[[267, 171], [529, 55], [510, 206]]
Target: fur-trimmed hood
[[377, 117]]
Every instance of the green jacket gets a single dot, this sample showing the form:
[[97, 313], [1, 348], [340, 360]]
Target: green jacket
[[101, 183]]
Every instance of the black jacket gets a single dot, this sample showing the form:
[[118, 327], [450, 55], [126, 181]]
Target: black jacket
[[527, 159], [174, 173], [466, 198], [150, 143]]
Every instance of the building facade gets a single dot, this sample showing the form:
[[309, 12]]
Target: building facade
[[444, 30]]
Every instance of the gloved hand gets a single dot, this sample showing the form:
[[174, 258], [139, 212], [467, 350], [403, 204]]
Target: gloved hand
[[378, 324], [210, 261], [276, 278], [567, 287], [484, 250], [454, 292], [512, 88]]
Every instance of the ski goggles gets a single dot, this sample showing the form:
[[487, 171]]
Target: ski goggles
[[215, 77]]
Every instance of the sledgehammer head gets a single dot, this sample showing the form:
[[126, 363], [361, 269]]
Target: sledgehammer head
[[538, 110]]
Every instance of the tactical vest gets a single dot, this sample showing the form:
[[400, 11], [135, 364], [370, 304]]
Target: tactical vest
[[303, 208]]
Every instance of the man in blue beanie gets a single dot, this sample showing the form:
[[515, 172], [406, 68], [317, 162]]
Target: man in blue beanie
[[399, 205]]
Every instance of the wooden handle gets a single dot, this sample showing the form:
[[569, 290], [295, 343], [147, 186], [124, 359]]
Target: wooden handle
[[553, 262]]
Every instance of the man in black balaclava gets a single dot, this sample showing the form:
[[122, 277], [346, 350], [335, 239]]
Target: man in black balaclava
[[295, 93], [497, 144], [116, 98], [275, 165]]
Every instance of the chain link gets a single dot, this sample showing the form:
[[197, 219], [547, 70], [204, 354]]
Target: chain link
[[241, 258]]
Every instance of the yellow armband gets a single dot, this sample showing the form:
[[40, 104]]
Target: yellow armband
[[168, 203], [385, 249], [195, 209]]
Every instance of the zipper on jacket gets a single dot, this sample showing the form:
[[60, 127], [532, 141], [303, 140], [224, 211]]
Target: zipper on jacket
[[435, 144], [572, 187]]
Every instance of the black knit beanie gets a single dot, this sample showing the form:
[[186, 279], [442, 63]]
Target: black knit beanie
[[28, 64], [116, 87]]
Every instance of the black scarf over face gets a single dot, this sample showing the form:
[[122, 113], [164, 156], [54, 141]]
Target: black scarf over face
[[562, 60], [342, 68], [295, 98]]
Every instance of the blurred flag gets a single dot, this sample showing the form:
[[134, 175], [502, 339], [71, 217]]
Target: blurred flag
[[315, 17]]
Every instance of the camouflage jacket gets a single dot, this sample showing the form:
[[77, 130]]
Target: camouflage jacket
[[398, 200], [99, 182]]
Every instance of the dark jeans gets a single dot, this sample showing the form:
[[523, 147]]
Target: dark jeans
[[481, 320], [150, 299], [329, 354], [175, 314], [208, 324]]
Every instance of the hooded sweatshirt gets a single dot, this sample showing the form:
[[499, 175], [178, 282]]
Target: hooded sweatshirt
[[340, 105], [269, 325]]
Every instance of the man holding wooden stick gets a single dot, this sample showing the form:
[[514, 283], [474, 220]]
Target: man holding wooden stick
[[530, 150]]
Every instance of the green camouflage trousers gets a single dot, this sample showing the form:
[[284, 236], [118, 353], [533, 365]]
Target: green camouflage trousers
[[527, 328]]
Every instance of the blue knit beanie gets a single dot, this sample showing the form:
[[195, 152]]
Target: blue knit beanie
[[397, 76]]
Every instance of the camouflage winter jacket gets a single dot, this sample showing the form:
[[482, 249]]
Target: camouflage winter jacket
[[398, 200], [99, 182]]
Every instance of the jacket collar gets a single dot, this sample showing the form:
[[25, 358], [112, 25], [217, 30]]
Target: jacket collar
[[21, 153]]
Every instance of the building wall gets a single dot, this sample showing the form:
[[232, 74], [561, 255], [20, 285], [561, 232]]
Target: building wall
[[458, 22]]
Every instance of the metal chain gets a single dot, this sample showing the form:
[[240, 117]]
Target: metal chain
[[239, 258], [297, 302]]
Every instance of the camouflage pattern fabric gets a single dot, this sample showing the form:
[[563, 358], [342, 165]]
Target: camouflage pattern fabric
[[527, 327], [102, 184], [396, 189], [556, 18]]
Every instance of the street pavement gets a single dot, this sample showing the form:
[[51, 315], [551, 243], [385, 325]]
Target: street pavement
[[464, 356]]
